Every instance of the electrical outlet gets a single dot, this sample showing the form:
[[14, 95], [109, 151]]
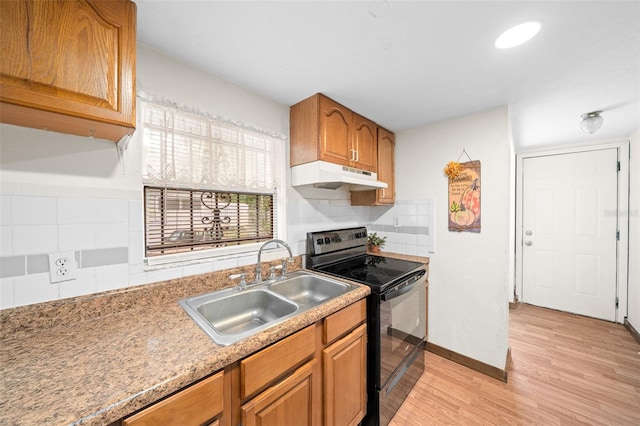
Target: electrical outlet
[[62, 267]]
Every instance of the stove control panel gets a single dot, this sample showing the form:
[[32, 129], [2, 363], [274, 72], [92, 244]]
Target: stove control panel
[[324, 242]]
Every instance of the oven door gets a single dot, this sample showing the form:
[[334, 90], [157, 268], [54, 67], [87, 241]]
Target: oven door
[[402, 323]]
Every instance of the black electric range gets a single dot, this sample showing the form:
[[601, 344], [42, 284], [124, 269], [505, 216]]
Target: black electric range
[[396, 313]]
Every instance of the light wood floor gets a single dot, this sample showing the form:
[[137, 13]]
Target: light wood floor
[[565, 370]]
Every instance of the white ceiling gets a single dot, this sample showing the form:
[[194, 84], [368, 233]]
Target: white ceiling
[[404, 64]]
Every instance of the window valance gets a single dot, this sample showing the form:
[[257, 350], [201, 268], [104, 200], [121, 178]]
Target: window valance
[[187, 148]]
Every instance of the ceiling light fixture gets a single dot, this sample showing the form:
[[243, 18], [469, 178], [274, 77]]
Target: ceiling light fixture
[[591, 121], [517, 35]]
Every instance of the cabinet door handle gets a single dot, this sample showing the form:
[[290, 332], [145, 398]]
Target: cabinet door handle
[[353, 155], [357, 156], [382, 192]]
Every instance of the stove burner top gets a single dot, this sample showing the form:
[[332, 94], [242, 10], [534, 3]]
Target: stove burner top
[[374, 271], [343, 253], [359, 274]]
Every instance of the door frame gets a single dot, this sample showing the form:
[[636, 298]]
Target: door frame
[[622, 267]]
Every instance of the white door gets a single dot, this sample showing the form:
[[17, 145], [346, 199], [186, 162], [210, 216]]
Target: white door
[[569, 232]]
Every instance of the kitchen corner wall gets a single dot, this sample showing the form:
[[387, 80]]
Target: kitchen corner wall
[[470, 274]]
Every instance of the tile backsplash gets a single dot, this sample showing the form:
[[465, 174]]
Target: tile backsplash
[[106, 236], [408, 225], [96, 230]]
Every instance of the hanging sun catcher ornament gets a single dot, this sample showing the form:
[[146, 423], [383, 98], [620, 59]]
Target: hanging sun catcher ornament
[[464, 195]]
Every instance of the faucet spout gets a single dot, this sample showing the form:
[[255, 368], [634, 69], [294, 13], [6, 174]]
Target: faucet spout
[[259, 264]]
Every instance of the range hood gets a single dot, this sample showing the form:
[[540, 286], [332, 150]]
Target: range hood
[[321, 174]]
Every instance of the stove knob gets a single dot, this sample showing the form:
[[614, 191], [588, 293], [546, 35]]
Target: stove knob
[[319, 241], [327, 240]]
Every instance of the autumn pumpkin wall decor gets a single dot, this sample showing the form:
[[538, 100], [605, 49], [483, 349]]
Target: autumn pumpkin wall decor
[[464, 195]]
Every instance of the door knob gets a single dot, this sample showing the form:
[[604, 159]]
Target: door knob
[[528, 232], [528, 243]]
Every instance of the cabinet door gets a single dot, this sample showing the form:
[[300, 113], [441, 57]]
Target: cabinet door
[[345, 379], [290, 402], [386, 166], [386, 173], [365, 143], [69, 65], [335, 124]]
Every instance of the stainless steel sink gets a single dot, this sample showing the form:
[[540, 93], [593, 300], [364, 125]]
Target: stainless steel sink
[[309, 289], [230, 315], [244, 311]]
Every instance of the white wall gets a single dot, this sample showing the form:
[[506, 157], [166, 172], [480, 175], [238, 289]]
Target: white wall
[[633, 312], [470, 273], [68, 193]]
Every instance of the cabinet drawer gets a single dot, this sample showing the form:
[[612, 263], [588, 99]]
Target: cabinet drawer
[[193, 405], [267, 365], [341, 322]]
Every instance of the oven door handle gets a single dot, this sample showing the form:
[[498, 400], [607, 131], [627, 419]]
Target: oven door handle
[[402, 288], [417, 350]]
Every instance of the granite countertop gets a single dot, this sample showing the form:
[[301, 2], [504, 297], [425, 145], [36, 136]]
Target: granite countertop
[[95, 359]]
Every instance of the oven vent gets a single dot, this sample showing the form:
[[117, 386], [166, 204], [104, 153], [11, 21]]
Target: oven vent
[[322, 174]]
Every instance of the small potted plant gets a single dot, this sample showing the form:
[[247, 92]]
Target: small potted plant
[[375, 242]]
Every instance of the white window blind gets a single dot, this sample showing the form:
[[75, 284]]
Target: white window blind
[[208, 183]]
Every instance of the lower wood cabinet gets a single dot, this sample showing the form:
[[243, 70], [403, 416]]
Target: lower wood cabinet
[[270, 364], [198, 404], [345, 379], [289, 402], [312, 377], [344, 359]]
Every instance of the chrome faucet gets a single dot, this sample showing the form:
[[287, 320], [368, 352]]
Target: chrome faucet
[[284, 263], [243, 281]]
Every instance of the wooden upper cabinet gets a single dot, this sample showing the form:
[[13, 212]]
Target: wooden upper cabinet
[[386, 173], [335, 132], [386, 166], [322, 129], [69, 66], [365, 143]]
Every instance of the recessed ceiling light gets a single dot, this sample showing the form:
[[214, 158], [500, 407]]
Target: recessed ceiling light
[[517, 35]]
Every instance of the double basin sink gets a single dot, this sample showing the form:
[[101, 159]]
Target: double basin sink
[[230, 315]]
